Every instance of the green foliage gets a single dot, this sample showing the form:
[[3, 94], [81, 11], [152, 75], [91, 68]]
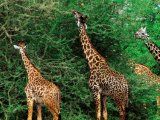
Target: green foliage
[[53, 45]]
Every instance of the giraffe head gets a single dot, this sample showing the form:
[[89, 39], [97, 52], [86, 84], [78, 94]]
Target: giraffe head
[[141, 34], [80, 19], [21, 46]]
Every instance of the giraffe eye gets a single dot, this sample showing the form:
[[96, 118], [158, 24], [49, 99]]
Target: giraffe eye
[[143, 34]]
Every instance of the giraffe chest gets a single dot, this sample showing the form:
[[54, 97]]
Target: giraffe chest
[[36, 92]]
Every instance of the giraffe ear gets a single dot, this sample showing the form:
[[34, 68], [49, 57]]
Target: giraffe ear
[[85, 26], [16, 47], [78, 23], [141, 28]]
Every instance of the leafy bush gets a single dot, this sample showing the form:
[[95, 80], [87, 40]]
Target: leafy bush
[[53, 45]]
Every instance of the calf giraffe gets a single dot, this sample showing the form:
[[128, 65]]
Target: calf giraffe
[[153, 78], [38, 89], [103, 81]]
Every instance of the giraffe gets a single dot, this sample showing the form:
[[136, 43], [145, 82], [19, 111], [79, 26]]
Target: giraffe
[[140, 69], [38, 90], [103, 80], [153, 48], [142, 34], [143, 70]]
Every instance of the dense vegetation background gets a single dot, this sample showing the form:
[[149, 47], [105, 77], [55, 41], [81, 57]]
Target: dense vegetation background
[[53, 45]]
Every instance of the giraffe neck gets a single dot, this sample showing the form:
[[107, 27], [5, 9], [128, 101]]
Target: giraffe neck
[[95, 60], [153, 49], [30, 68], [143, 70], [151, 75]]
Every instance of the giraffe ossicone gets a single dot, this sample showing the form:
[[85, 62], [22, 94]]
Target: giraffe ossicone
[[152, 47], [143, 28], [103, 80], [38, 89]]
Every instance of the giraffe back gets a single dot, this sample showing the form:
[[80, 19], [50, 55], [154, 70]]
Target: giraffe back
[[144, 71]]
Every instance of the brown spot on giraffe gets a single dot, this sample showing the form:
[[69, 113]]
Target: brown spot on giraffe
[[103, 80], [144, 71], [153, 48], [38, 90], [142, 34]]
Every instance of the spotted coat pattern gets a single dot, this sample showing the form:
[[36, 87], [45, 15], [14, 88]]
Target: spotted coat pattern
[[103, 80], [38, 90], [153, 48], [146, 73]]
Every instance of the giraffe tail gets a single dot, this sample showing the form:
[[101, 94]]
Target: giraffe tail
[[127, 109], [59, 117]]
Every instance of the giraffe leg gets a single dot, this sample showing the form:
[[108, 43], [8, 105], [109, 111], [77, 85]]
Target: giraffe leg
[[104, 110], [52, 106], [121, 109], [55, 114], [98, 106], [30, 109], [158, 105], [39, 112]]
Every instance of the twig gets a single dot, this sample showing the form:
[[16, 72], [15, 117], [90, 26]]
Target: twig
[[7, 34], [5, 114]]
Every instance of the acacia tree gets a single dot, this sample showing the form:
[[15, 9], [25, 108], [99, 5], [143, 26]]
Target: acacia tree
[[48, 27]]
